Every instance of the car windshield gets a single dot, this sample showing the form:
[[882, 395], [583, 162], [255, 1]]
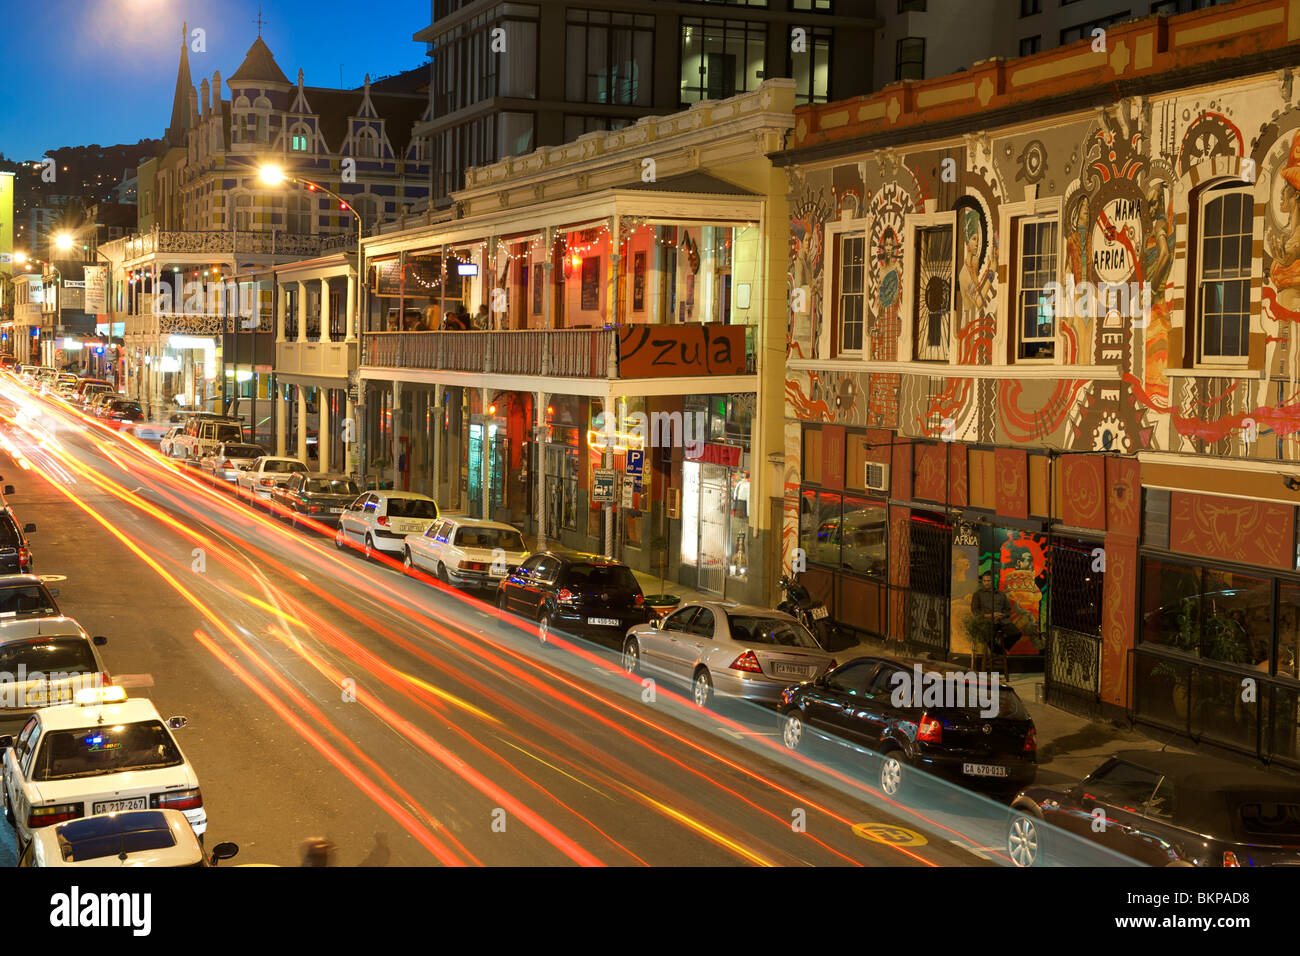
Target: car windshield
[[412, 508], [284, 467], [333, 486], [750, 629], [26, 599], [110, 748], [244, 451], [50, 656], [601, 576], [505, 539]]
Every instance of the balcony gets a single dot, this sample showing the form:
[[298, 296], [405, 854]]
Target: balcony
[[227, 242], [629, 351], [318, 359]]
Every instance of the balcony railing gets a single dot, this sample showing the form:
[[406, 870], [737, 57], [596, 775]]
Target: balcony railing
[[216, 242], [630, 351]]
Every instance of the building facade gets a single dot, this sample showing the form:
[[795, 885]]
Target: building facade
[[1042, 328]]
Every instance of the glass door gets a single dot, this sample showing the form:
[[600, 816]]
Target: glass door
[[714, 513]]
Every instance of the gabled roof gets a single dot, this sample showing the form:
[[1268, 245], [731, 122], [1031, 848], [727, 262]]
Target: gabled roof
[[401, 111], [258, 64]]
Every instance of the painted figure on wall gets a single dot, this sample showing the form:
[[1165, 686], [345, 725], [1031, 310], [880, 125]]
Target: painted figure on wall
[[1158, 254], [1285, 271], [973, 284]]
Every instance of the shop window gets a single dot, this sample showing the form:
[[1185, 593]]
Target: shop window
[[1077, 579], [1225, 227], [1288, 630], [1214, 614], [1036, 270], [932, 318], [844, 532]]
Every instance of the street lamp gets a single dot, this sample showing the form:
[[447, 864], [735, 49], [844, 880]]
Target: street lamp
[[63, 242]]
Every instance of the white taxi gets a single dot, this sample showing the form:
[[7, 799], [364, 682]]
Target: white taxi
[[103, 754], [381, 520], [132, 838], [466, 552]]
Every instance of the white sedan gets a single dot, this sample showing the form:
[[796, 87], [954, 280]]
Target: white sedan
[[103, 754], [466, 552], [381, 520], [267, 473]]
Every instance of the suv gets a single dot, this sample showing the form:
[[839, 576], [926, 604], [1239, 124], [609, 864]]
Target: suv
[[584, 594], [15, 555], [203, 433]]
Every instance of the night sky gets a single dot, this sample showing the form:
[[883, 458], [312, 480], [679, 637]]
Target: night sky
[[76, 72]]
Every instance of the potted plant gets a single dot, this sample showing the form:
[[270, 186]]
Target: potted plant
[[979, 630], [663, 602]]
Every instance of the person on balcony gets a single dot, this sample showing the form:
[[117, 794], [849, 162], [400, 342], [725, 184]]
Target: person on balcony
[[482, 321]]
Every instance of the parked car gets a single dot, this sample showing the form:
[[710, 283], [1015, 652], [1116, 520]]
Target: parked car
[[204, 432], [466, 552], [127, 839], [26, 596], [102, 754], [381, 520], [726, 650], [43, 661], [165, 443], [15, 553], [66, 389], [8, 363], [320, 497], [577, 593], [228, 459], [55, 384], [1165, 809], [265, 474], [85, 383], [45, 375], [100, 399], [89, 392], [855, 702], [121, 411]]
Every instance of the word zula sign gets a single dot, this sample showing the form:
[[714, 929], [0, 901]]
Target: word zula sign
[[655, 351]]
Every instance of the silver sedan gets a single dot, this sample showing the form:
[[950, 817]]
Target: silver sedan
[[728, 650]]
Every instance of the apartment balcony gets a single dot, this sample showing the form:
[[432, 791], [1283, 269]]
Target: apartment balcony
[[219, 242], [316, 359], [629, 351]]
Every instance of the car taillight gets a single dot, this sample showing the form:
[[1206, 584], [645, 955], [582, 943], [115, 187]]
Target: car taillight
[[313, 509], [383, 520], [832, 665], [268, 481], [566, 596], [747, 662], [48, 816], [1031, 742], [177, 800], [24, 557], [1230, 858], [929, 730], [639, 600], [473, 566], [226, 465]]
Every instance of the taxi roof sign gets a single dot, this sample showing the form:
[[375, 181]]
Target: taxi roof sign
[[100, 695]]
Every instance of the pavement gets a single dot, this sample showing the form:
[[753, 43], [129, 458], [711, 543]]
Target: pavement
[[1069, 746]]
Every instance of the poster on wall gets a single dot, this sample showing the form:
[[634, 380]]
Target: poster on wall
[[638, 282], [591, 284], [1018, 562]]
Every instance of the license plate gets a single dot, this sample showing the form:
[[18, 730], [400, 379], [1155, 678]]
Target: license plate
[[983, 770], [43, 698], [790, 670], [819, 612], [114, 806], [606, 621], [336, 511]]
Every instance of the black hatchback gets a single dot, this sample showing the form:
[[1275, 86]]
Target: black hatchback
[[888, 705], [15, 555], [583, 594]]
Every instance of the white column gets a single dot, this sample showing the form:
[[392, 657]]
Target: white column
[[302, 312], [302, 423], [324, 310], [281, 419], [351, 318], [350, 447], [325, 434], [281, 310], [539, 477]]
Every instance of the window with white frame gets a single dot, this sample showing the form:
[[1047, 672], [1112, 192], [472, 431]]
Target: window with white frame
[[1226, 230], [932, 318], [244, 212], [298, 214], [300, 141], [852, 295], [367, 143], [1035, 318]]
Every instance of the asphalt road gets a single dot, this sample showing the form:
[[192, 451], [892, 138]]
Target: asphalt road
[[331, 696]]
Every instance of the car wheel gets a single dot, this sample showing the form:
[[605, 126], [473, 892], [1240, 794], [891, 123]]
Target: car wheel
[[792, 731], [1025, 839], [370, 548], [442, 573], [893, 773], [702, 688], [407, 564], [338, 538], [632, 656], [544, 628]]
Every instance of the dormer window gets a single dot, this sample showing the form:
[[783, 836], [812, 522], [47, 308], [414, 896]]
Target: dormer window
[[367, 143]]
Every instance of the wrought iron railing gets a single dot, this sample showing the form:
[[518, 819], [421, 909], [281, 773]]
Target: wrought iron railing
[[561, 353], [1072, 670]]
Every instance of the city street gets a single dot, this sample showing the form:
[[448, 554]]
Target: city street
[[467, 742]]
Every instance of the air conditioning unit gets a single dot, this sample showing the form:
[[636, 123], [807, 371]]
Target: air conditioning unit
[[877, 478]]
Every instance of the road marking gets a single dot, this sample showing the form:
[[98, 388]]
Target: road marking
[[978, 851], [890, 834], [701, 828], [553, 767], [444, 695], [133, 680]]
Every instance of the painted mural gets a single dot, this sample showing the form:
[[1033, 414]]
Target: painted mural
[[1122, 185]]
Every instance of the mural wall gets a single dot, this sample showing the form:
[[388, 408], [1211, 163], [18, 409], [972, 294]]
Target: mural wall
[[1121, 183]]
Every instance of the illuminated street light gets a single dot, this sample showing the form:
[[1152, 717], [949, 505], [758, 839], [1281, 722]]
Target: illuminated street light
[[63, 241], [271, 174]]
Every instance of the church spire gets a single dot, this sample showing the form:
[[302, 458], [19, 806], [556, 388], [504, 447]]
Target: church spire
[[182, 119]]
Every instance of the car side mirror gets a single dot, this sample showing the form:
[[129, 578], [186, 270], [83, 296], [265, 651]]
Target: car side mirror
[[6, 741], [99, 640], [177, 723], [9, 489], [223, 851], [29, 528], [657, 624]]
